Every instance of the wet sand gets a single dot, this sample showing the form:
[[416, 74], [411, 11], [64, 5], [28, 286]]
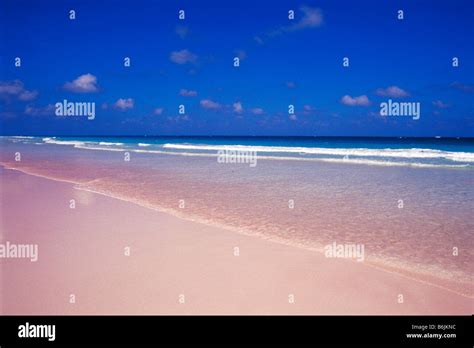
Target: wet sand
[[82, 252]]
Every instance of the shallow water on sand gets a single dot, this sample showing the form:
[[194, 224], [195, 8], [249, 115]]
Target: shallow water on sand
[[408, 219]]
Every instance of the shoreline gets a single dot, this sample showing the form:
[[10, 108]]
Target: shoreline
[[409, 275], [202, 242]]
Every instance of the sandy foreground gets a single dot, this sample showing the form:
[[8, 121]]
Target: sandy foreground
[[82, 253]]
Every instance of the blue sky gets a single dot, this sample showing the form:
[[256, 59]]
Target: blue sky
[[283, 62]]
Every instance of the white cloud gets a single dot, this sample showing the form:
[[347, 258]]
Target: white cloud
[[187, 93], [392, 91], [16, 89], [124, 104], [183, 57], [362, 100], [257, 111], [86, 83], [310, 18], [238, 107], [209, 104]]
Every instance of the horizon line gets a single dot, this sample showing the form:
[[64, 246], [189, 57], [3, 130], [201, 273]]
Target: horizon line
[[242, 136]]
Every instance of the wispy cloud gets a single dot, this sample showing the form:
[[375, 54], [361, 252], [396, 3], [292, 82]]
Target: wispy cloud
[[209, 104], [124, 104], [440, 105], [16, 89], [40, 111], [158, 111], [241, 54], [179, 118], [182, 31], [258, 40], [290, 84], [183, 57], [27, 95], [362, 100], [307, 109], [257, 111], [187, 93], [392, 91], [310, 17], [86, 83], [463, 87]]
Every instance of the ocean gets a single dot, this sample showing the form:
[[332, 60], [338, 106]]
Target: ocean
[[449, 152]]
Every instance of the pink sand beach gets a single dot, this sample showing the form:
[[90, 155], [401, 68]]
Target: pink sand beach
[[177, 266]]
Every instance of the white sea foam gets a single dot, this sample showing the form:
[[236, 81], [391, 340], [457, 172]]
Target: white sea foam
[[92, 147], [356, 152], [382, 163], [63, 142], [412, 157], [109, 144]]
